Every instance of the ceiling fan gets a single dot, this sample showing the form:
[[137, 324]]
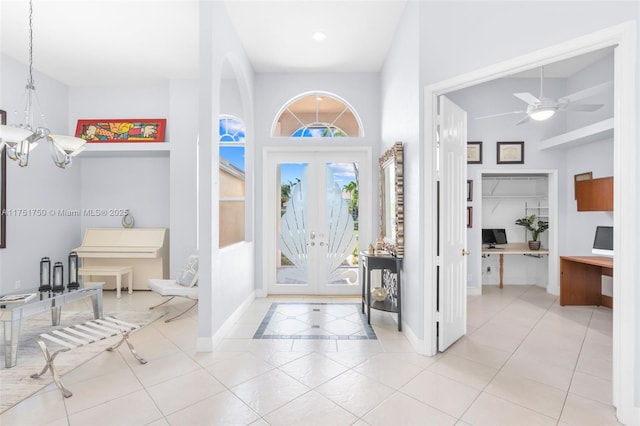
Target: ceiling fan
[[542, 108]]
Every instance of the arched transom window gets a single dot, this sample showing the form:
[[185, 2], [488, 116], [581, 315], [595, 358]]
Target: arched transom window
[[317, 115]]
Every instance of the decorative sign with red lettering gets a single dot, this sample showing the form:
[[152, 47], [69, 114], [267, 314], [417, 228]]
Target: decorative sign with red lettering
[[122, 130]]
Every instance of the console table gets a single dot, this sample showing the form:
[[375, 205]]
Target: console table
[[11, 314], [581, 280], [391, 281], [511, 249]]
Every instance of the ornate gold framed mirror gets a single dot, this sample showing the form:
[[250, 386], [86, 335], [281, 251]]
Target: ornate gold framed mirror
[[392, 200]]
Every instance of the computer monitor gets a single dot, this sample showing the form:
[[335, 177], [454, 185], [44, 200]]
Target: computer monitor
[[603, 241], [491, 237]]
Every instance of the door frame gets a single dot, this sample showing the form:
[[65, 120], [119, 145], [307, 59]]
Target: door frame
[[365, 203], [553, 280], [623, 37]]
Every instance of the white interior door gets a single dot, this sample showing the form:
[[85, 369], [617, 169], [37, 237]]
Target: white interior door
[[452, 283], [316, 225]]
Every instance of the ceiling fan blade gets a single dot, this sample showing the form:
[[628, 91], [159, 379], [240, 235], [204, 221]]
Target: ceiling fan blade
[[581, 107], [525, 119], [587, 93], [527, 97], [500, 114]]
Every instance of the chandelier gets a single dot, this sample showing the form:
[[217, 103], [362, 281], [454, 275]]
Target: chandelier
[[21, 138]]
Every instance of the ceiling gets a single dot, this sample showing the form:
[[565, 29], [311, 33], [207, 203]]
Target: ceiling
[[118, 42]]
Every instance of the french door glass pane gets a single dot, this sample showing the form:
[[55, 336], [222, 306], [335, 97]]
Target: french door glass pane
[[292, 259], [342, 223]]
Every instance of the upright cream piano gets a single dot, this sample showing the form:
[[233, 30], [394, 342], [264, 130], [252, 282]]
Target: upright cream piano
[[144, 249]]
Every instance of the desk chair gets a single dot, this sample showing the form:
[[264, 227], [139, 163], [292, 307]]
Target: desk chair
[[185, 285]]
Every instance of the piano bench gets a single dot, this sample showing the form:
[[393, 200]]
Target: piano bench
[[109, 271]]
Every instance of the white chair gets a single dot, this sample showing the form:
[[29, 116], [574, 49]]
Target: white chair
[[185, 285]]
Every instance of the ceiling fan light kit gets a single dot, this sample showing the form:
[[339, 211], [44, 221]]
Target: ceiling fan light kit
[[541, 112]]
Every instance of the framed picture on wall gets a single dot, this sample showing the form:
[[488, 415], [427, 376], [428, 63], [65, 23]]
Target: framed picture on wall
[[469, 190], [132, 130], [3, 187], [474, 152], [510, 152]]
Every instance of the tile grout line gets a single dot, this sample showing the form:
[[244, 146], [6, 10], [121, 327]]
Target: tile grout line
[[510, 356], [575, 367]]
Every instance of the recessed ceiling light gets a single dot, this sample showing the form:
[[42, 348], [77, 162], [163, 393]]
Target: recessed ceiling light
[[319, 36]]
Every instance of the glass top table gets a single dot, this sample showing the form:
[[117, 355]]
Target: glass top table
[[11, 314]]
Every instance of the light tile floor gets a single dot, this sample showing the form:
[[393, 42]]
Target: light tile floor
[[524, 361]]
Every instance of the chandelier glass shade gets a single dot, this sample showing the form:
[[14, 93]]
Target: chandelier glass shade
[[21, 138]]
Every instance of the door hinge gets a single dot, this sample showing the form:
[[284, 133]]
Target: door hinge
[[438, 316], [438, 260]]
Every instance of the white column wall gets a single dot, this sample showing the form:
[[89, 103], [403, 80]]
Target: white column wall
[[400, 101]]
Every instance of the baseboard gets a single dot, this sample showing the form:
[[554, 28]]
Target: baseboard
[[418, 344], [607, 301], [233, 318], [206, 344]]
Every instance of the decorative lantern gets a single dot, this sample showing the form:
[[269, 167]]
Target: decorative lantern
[[73, 271], [45, 275], [58, 277]]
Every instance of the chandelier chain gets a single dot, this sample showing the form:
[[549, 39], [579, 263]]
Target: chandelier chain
[[31, 44]]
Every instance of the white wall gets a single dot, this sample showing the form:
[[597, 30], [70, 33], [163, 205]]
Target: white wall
[[117, 182], [183, 136], [41, 185], [400, 100]]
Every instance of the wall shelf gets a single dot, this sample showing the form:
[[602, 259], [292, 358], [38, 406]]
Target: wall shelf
[[591, 133], [146, 149], [515, 197]]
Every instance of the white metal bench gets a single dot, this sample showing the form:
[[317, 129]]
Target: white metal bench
[[84, 334]]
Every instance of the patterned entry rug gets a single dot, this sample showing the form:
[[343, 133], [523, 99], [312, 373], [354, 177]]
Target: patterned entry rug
[[16, 383], [320, 321]]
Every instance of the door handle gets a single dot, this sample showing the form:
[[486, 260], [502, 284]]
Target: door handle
[[313, 235], [465, 252]]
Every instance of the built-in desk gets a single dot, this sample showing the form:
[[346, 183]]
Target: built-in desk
[[511, 249], [581, 280]]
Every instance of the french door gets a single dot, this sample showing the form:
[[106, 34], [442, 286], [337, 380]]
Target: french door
[[318, 217]]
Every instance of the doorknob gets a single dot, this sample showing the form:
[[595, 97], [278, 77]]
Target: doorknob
[[465, 253]]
